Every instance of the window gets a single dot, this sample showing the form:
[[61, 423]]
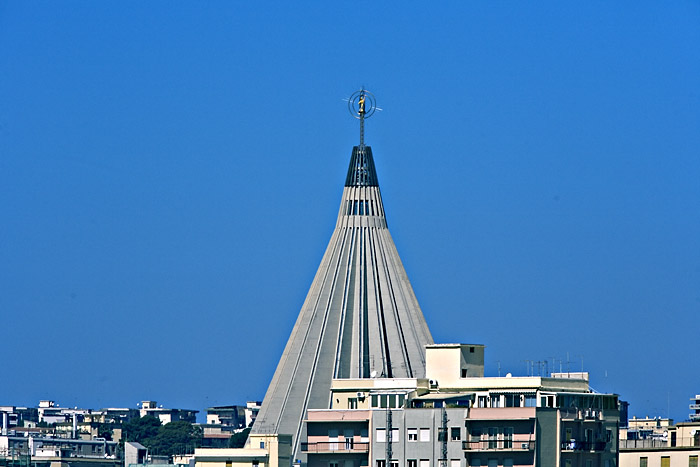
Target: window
[[512, 400], [256, 463], [381, 437], [692, 461], [482, 401], [394, 463], [349, 436], [425, 434], [475, 463], [508, 437], [394, 435], [643, 462], [455, 433], [567, 463], [508, 462], [262, 444], [471, 349], [375, 401], [493, 462], [229, 463], [665, 461], [455, 463], [464, 372], [411, 463], [495, 401], [352, 403], [530, 400], [333, 464], [364, 435], [493, 436], [442, 434], [424, 463], [412, 435], [381, 463]]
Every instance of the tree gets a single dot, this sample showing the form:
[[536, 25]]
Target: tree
[[176, 438], [141, 430], [238, 439]]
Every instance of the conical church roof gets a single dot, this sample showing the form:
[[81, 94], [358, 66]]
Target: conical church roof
[[360, 318]]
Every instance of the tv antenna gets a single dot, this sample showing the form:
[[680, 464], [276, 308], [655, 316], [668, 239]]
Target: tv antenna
[[362, 104]]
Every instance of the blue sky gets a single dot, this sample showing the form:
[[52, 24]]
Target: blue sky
[[170, 173]]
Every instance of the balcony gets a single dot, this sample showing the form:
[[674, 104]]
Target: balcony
[[336, 447], [498, 445], [591, 446]]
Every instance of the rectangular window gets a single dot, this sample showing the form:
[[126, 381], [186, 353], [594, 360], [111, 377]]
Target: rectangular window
[[424, 463], [692, 461], [455, 433], [411, 463], [381, 435], [665, 461], [508, 437], [412, 434], [455, 463], [402, 400], [482, 401], [442, 434], [495, 401], [392, 401], [352, 403], [493, 437], [394, 435], [383, 401], [262, 444], [364, 435], [229, 463], [394, 463], [333, 464], [643, 462], [381, 463], [475, 463], [530, 400], [464, 372], [508, 462], [425, 434], [493, 463], [567, 463], [375, 401]]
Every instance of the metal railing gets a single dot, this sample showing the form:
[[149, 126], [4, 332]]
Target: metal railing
[[335, 446], [498, 445], [583, 445]]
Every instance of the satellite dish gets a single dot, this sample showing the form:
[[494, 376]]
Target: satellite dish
[[509, 375], [373, 374]]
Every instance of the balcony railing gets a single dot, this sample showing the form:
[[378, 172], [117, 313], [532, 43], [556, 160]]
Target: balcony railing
[[335, 446], [498, 445], [583, 445]]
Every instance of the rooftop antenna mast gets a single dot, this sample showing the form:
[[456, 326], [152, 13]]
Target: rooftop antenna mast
[[362, 104]]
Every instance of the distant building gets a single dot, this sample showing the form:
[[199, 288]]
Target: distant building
[[680, 446], [43, 451], [232, 417], [167, 415], [695, 408]]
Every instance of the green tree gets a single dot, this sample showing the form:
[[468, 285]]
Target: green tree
[[142, 430], [176, 438], [238, 439]]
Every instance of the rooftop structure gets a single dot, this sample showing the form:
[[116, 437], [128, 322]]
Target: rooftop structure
[[360, 318]]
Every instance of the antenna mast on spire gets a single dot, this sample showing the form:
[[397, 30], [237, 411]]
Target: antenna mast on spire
[[362, 104]]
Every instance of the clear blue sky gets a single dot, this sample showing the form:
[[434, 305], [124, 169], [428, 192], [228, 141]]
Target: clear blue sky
[[170, 173]]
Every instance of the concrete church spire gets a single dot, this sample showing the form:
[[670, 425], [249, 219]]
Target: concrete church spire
[[360, 318]]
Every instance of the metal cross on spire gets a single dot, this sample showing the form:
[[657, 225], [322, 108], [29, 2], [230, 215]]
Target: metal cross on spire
[[362, 104]]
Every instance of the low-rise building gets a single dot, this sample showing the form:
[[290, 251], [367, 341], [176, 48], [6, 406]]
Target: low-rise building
[[167, 415]]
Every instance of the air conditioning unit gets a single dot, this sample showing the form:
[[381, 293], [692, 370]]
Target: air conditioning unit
[[433, 383], [524, 445], [360, 395]]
